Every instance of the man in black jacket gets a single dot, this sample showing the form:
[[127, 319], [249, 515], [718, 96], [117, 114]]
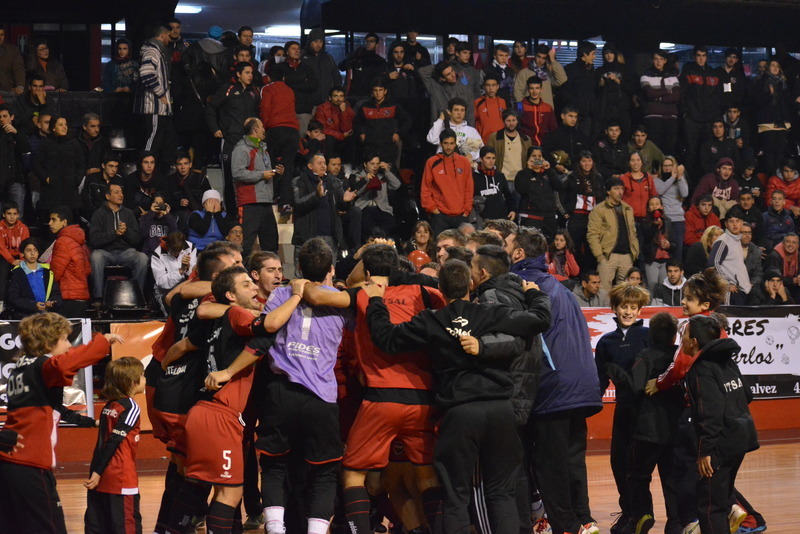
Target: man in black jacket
[[611, 154], [302, 80], [225, 114], [579, 90], [318, 199], [13, 144], [364, 65], [473, 389], [380, 123], [566, 137], [700, 97]]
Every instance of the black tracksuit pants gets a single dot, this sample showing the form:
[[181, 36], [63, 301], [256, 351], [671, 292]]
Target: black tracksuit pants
[[484, 431], [645, 456]]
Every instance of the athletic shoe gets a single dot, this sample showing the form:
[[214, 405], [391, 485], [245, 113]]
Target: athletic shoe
[[542, 526], [589, 528], [692, 528], [643, 525], [751, 530], [619, 524], [736, 517], [254, 522]]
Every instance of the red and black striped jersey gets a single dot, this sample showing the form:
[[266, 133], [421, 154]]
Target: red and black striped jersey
[[114, 457]]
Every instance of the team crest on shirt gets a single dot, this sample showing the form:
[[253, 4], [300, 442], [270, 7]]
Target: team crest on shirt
[[460, 171], [713, 150], [226, 474]]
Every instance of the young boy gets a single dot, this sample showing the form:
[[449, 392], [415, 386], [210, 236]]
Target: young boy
[[31, 502], [489, 108], [654, 428], [12, 233], [473, 391], [698, 218], [721, 417], [113, 497], [70, 262], [32, 288], [620, 348]]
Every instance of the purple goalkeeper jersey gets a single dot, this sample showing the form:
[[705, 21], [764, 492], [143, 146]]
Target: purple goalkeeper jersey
[[306, 348]]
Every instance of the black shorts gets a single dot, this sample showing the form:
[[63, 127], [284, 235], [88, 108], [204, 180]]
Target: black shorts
[[29, 501], [109, 513], [294, 419]]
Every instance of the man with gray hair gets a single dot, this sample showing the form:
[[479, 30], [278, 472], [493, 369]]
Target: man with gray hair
[[94, 144], [153, 100]]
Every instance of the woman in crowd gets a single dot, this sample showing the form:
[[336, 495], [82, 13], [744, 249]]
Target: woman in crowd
[[41, 64], [584, 191], [697, 254], [560, 257], [142, 184], [673, 188], [634, 276], [614, 90], [659, 242], [422, 239], [519, 56], [59, 167]]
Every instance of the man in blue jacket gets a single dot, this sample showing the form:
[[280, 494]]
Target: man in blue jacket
[[569, 392]]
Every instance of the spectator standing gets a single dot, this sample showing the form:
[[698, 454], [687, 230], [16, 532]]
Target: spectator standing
[[489, 108], [584, 190], [207, 224], [226, 113], [380, 123], [32, 287], [255, 177], [70, 262], [566, 137], [721, 185], [652, 156], [658, 242], [187, 186], [501, 69], [94, 187], [639, 186], [544, 66], [114, 236], [733, 81], [468, 140], [614, 91], [579, 91], [13, 145], [277, 113], [717, 147], [12, 68], [662, 93], [178, 75], [447, 187], [728, 258], [121, 73], [537, 118], [401, 72], [442, 83], [611, 153], [778, 221], [12, 232], [612, 235], [752, 215], [700, 99], [537, 186], [59, 166], [468, 75], [363, 65], [190, 114], [492, 197], [323, 65], [30, 106], [672, 188], [153, 100], [41, 64], [749, 179], [511, 147], [589, 293], [699, 217], [773, 116], [416, 51], [301, 79]]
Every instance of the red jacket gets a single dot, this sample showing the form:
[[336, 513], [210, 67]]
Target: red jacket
[[489, 115], [792, 190], [637, 193], [10, 238], [70, 263], [570, 267], [696, 225], [536, 120], [277, 106], [335, 122], [447, 185]]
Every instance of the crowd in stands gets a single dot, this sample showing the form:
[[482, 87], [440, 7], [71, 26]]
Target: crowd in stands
[[548, 188]]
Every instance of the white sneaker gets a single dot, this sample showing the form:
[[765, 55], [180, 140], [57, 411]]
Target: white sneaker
[[692, 528], [589, 528], [736, 517]]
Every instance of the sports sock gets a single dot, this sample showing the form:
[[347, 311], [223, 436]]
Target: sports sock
[[172, 483], [273, 517], [432, 507], [189, 498], [318, 526], [356, 508], [219, 519]]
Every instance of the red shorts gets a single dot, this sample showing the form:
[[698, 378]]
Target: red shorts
[[378, 424], [214, 452], [160, 429]]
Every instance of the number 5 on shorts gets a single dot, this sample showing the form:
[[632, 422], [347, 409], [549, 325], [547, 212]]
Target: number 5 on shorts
[[226, 455]]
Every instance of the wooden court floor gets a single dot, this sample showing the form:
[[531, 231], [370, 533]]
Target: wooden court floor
[[769, 478]]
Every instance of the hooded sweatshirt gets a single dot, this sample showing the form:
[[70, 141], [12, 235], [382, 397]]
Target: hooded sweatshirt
[[10, 239], [791, 188], [727, 256]]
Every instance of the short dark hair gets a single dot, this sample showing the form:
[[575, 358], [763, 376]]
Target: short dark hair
[[379, 81], [612, 123], [502, 48], [224, 282], [456, 101], [569, 108], [504, 226], [674, 262], [64, 213], [314, 124], [613, 182], [379, 260], [706, 198], [183, 154], [256, 260], [441, 67], [335, 89], [9, 205], [704, 328], [640, 128], [699, 48], [244, 29], [486, 149], [209, 264], [315, 259], [663, 328], [585, 47], [31, 241], [485, 237], [508, 113], [372, 35], [532, 241], [454, 279], [493, 259], [491, 77], [460, 253], [662, 54], [447, 133], [542, 49], [533, 80]]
